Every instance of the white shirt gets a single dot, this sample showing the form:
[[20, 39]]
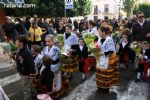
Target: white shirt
[[142, 22], [81, 47], [123, 44]]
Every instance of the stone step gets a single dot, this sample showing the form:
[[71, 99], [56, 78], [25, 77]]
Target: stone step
[[14, 90], [7, 70], [12, 86]]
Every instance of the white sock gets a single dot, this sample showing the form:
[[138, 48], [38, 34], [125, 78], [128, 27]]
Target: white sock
[[138, 75], [83, 76]]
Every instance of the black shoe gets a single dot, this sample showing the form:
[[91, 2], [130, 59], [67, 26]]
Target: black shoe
[[103, 90], [137, 80], [82, 81]]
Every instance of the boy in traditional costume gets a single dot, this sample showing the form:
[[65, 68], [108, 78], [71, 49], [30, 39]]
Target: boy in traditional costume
[[124, 51], [82, 52], [143, 65]]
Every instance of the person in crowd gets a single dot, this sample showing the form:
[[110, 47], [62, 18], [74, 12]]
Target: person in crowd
[[107, 70], [143, 64], [127, 32], [70, 42], [21, 30], [35, 49], [47, 76], [47, 27], [61, 28], [36, 52], [141, 29], [124, 51], [25, 65], [92, 28], [35, 33], [82, 52], [52, 51], [70, 38], [27, 23], [81, 24], [76, 24], [115, 24], [10, 29]]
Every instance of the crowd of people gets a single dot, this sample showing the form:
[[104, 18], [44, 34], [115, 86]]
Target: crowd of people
[[45, 66]]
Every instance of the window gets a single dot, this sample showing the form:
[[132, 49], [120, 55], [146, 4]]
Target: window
[[95, 9], [106, 8], [95, 18]]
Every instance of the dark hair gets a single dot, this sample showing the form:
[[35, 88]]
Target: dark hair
[[140, 12], [82, 40], [36, 48], [23, 39], [126, 31], [34, 23], [92, 23], [47, 61], [145, 43], [105, 29], [69, 26]]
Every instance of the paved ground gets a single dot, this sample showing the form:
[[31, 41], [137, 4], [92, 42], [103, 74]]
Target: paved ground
[[126, 90]]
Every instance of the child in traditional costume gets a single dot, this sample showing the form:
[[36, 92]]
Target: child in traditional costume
[[107, 73], [52, 51], [124, 51], [82, 52], [70, 39], [35, 49], [46, 77], [143, 65], [37, 57]]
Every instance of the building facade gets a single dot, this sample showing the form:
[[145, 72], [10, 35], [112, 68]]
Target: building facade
[[103, 9]]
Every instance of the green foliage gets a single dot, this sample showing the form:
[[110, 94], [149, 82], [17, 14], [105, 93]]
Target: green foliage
[[129, 6], [52, 8], [145, 8]]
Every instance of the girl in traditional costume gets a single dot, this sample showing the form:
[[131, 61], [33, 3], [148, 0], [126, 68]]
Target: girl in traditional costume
[[107, 68], [52, 51], [70, 40]]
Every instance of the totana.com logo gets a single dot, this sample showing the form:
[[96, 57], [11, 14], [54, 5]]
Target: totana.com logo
[[16, 4]]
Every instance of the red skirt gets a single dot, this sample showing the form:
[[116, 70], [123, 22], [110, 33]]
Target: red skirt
[[83, 65], [146, 65]]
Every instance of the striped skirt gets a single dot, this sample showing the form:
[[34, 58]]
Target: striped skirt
[[70, 64], [92, 61], [106, 78]]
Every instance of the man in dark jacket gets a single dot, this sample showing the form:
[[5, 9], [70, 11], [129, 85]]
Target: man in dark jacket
[[141, 29], [10, 29], [25, 65]]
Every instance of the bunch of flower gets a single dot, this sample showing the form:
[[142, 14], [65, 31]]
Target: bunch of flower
[[94, 48], [88, 38], [137, 48], [59, 38]]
